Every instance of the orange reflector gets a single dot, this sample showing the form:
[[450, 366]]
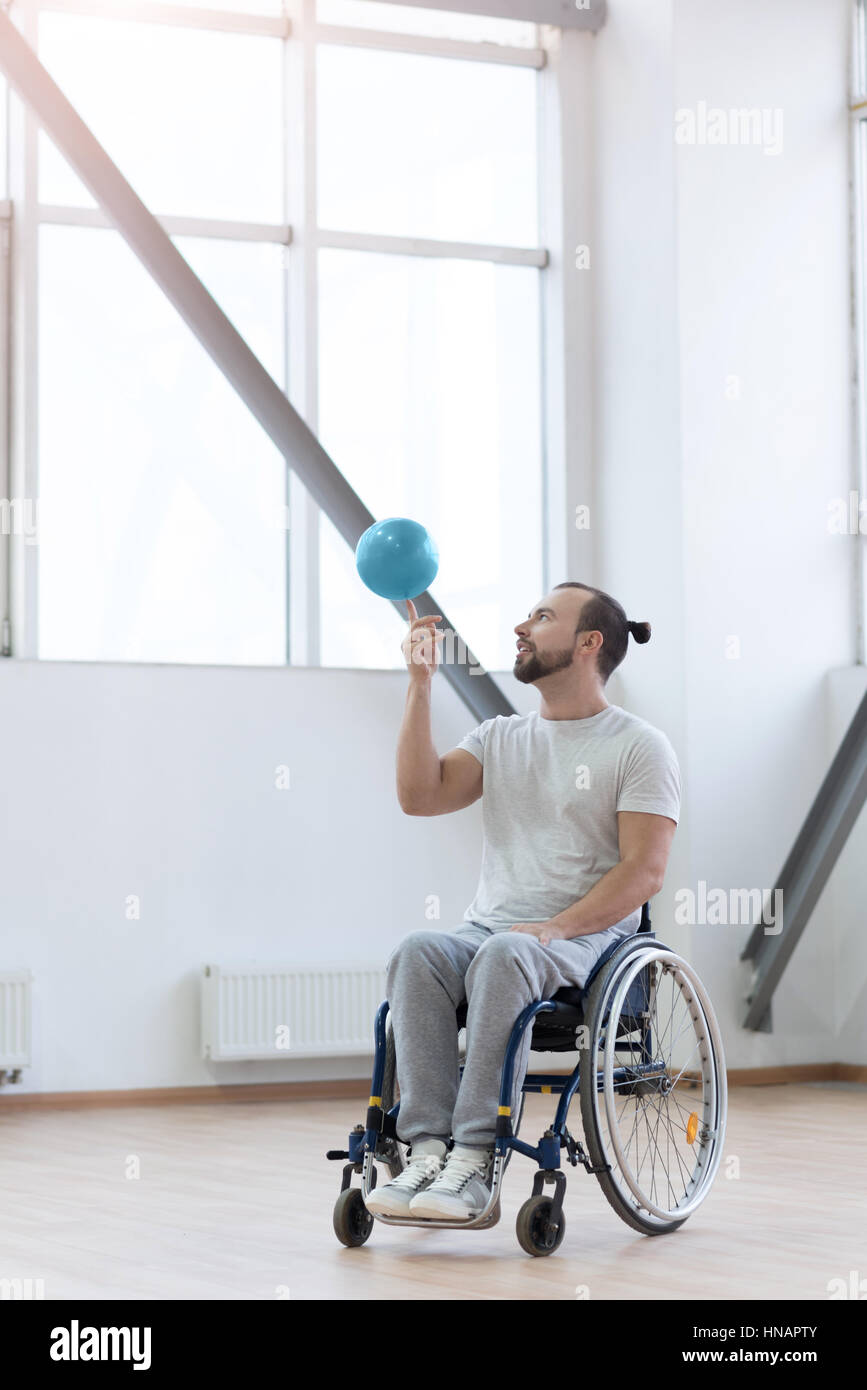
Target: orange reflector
[[691, 1128]]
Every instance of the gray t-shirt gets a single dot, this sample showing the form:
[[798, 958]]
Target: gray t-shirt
[[551, 792]]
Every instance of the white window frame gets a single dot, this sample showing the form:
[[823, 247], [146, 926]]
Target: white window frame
[[560, 60], [858, 249]]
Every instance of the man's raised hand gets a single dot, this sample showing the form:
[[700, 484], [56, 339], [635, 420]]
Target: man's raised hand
[[419, 646]]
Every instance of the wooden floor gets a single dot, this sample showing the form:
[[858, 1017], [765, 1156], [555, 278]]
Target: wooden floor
[[235, 1201]]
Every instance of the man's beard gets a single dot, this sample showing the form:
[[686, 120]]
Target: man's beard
[[533, 666]]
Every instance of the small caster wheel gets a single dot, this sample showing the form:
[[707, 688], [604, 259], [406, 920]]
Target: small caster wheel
[[533, 1229], [353, 1223]]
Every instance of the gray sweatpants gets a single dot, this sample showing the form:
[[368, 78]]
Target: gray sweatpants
[[429, 973]]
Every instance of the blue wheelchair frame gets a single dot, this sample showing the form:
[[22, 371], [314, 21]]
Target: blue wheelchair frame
[[566, 1006]]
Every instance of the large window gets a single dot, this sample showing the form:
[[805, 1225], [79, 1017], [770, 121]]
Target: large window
[[357, 185]]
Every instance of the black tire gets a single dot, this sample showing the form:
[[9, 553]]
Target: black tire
[[532, 1230], [646, 1225], [353, 1223]]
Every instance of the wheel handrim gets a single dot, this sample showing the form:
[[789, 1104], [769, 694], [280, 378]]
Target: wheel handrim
[[664, 1147]]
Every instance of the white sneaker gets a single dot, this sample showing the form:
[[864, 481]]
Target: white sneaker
[[425, 1163], [461, 1190]]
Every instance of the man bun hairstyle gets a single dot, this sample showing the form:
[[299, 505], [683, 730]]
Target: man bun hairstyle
[[604, 614]]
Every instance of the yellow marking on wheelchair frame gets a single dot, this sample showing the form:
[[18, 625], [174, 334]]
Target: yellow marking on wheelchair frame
[[504, 1109], [546, 1090], [375, 1100], [691, 1128]]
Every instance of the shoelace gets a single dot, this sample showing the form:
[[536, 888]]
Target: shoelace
[[418, 1170], [458, 1171]]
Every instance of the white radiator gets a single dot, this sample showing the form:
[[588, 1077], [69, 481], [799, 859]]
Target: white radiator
[[263, 1012], [15, 1019]]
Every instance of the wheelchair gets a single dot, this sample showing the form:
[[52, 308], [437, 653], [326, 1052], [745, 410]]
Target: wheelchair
[[651, 1082]]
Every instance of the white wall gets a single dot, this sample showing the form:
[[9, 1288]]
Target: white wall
[[764, 296], [159, 781], [637, 381], [721, 262]]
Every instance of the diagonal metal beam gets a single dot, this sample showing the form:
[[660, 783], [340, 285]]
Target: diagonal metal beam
[[219, 337], [806, 871]]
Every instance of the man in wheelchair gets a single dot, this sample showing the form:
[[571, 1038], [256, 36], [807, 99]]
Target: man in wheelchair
[[580, 802]]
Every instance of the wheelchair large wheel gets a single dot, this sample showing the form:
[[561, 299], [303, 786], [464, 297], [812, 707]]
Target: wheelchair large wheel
[[652, 1086]]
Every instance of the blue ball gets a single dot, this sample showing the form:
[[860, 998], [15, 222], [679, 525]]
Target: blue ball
[[397, 558]]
